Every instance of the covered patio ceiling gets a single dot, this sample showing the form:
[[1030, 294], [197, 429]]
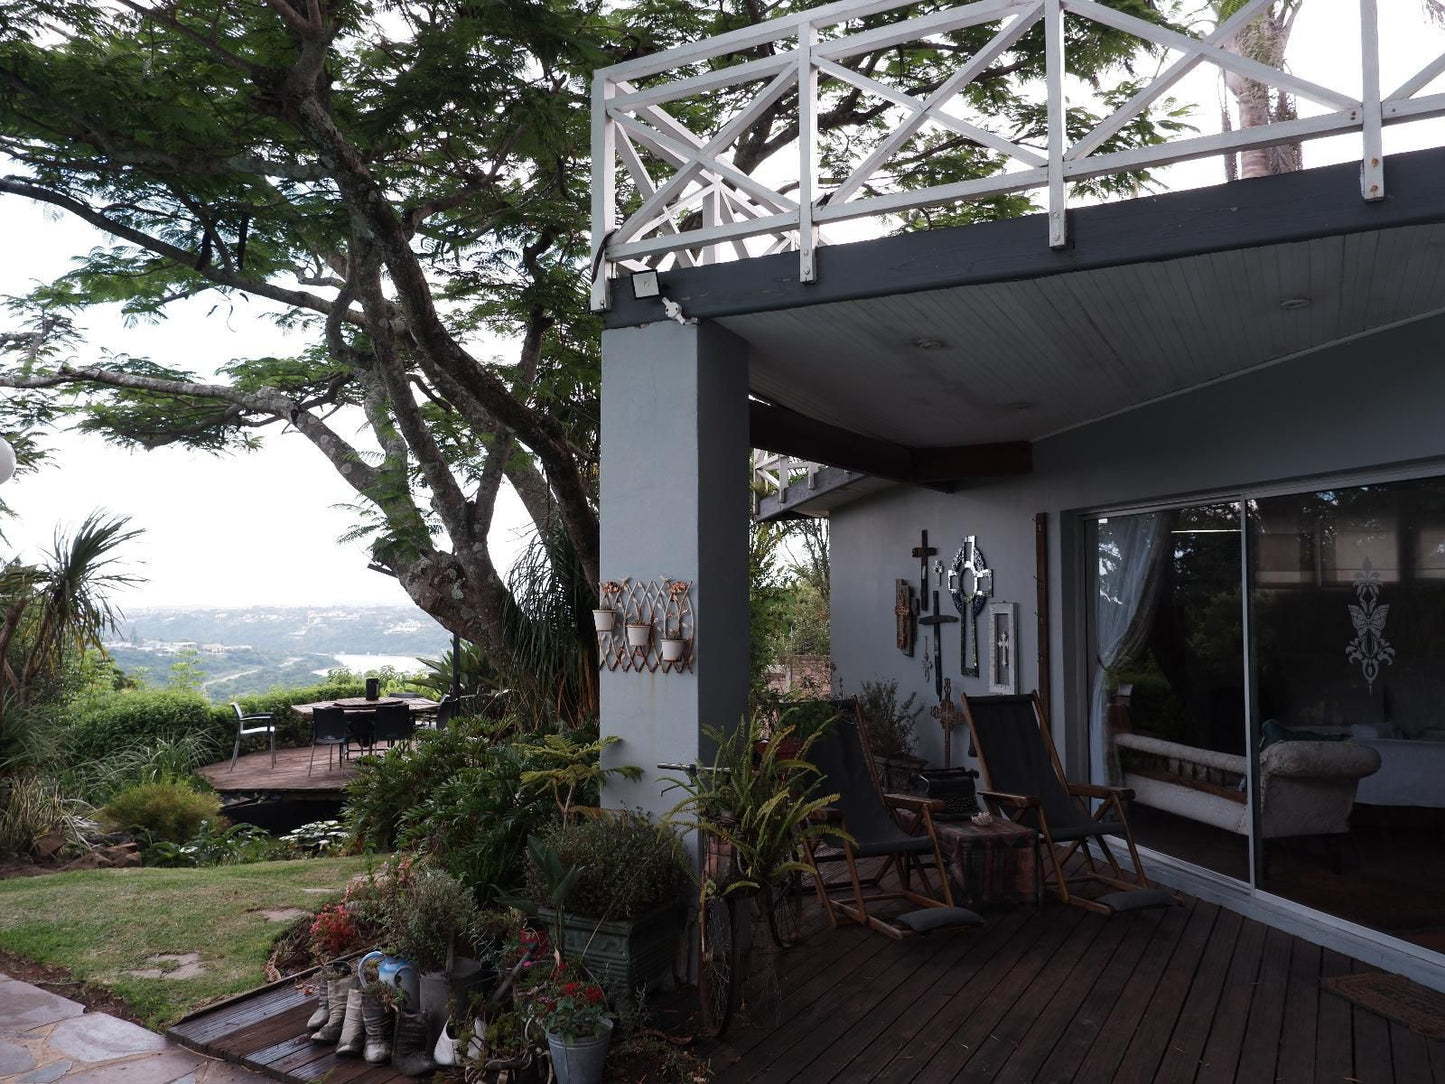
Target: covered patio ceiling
[[938, 357]]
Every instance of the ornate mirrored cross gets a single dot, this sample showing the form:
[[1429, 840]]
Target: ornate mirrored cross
[[971, 585]]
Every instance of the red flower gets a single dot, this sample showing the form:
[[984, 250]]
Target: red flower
[[594, 995]]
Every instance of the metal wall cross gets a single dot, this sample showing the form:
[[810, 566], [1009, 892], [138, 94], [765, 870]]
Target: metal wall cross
[[905, 613], [937, 619], [923, 551], [948, 717]]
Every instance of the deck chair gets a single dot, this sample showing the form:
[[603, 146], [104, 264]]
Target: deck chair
[[865, 814], [247, 725], [393, 723], [1025, 781], [329, 727]]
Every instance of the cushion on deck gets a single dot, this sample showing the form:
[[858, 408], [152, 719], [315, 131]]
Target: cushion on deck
[[929, 919], [1136, 899]]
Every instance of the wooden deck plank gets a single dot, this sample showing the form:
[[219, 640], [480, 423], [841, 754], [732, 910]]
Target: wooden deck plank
[[992, 1042], [1186, 1046], [936, 1053], [1140, 1064], [1133, 1000], [1299, 1029], [253, 773], [1226, 1032], [1373, 1060], [1335, 1049], [1259, 1053], [1070, 1051]]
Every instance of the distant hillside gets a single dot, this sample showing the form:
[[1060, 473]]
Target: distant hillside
[[258, 648]]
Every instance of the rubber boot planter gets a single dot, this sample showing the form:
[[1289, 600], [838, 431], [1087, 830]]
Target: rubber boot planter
[[353, 1034], [377, 1016], [324, 977], [336, 993], [409, 1053]]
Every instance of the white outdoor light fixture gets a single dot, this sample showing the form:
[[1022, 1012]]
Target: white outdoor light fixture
[[644, 284], [7, 460]]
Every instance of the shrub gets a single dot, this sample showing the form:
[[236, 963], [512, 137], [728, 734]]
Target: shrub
[[317, 839], [32, 808], [334, 933], [171, 812], [105, 725], [890, 724], [291, 728], [628, 865]]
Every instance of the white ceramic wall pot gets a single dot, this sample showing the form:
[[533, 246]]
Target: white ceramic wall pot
[[605, 620], [639, 635], [672, 649]]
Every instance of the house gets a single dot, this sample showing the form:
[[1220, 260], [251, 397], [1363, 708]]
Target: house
[[1180, 461]]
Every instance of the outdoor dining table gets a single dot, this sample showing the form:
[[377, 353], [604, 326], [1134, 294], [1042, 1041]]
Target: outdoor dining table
[[361, 712]]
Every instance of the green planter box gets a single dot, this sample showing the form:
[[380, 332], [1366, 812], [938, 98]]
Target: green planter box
[[623, 954]]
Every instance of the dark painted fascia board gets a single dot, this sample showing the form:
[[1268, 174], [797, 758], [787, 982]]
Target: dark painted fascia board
[[1252, 213], [786, 432]]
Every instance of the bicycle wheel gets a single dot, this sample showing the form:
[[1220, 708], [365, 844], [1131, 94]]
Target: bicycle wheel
[[781, 904], [719, 976]]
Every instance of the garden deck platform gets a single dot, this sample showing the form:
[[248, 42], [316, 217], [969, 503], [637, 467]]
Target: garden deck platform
[[1193, 993], [254, 775]]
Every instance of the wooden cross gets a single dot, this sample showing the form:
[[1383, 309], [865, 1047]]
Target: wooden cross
[[947, 716], [937, 619], [905, 613], [923, 551]]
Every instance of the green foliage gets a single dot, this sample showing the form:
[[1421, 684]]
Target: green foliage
[[627, 866], [100, 727], [316, 839], [32, 808], [419, 911], [171, 812], [187, 676], [572, 769], [889, 723], [291, 728], [215, 844]]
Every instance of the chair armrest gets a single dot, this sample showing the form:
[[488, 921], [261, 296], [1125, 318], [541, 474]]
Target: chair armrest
[[265, 717], [914, 803], [1096, 790], [1018, 801], [827, 814]]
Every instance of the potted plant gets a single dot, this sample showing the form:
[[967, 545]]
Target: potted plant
[[890, 733], [639, 634], [438, 914], [501, 1049], [572, 1010], [611, 889], [605, 616]]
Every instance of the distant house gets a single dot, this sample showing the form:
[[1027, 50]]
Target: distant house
[[1181, 459]]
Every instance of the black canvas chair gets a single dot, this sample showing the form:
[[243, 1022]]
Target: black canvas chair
[[393, 723], [329, 727], [247, 725], [866, 815], [1025, 781]]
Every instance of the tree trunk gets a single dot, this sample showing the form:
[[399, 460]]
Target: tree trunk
[[1264, 40]]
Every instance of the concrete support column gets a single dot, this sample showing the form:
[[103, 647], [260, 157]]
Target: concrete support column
[[674, 495]]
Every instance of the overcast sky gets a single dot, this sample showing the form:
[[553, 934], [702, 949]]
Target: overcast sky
[[262, 528]]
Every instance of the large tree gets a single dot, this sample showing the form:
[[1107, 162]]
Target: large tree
[[407, 180]]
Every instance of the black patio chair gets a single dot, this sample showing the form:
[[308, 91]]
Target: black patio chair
[[445, 710], [329, 727], [866, 815], [393, 723], [243, 731], [1024, 780]]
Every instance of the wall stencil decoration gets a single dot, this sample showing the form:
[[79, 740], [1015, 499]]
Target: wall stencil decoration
[[1369, 648], [1003, 624], [971, 584]]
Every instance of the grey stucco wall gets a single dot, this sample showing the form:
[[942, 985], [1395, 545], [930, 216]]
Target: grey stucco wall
[[675, 503], [1370, 404]]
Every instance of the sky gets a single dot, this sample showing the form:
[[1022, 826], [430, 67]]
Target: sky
[[262, 528]]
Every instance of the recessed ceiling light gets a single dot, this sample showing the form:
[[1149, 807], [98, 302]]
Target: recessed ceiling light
[[1293, 304], [926, 343]]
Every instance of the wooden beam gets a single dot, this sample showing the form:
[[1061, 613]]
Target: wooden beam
[[787, 432]]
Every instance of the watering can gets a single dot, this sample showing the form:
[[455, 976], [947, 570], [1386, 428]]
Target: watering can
[[394, 971]]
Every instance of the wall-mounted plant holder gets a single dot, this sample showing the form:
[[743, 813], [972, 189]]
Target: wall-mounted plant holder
[[604, 619], [652, 626]]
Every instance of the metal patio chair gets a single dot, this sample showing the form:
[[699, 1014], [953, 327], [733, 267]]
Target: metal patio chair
[[1024, 780], [329, 727], [266, 726], [866, 814]]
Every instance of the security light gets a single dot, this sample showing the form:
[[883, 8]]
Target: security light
[[644, 284]]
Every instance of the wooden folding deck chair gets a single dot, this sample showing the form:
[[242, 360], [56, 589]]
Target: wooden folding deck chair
[[1025, 781], [864, 812]]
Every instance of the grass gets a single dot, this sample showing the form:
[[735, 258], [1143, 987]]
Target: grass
[[99, 924]]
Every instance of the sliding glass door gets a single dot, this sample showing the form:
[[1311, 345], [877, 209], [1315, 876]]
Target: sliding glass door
[[1298, 641]]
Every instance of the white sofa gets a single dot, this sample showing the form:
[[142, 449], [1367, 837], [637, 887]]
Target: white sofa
[[1307, 788]]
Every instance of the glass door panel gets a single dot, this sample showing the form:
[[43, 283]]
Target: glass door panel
[[1167, 692], [1347, 609]]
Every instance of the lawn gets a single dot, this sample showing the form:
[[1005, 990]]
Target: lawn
[[100, 924]]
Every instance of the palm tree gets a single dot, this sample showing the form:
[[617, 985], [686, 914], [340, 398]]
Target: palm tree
[[49, 612]]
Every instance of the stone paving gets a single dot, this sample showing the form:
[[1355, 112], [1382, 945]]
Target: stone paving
[[45, 1038]]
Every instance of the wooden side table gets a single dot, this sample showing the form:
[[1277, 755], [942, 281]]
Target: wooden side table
[[996, 863]]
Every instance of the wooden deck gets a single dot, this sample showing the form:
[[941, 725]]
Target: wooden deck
[[254, 774], [1188, 994]]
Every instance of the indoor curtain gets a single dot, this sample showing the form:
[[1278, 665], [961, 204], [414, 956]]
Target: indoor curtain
[[1138, 549]]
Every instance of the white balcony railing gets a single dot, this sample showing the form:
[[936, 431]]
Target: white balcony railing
[[708, 209]]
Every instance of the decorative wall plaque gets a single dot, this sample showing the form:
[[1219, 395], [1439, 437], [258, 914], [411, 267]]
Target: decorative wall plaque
[[1003, 625], [971, 585], [905, 616]]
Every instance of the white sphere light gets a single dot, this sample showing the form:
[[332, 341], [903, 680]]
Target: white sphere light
[[7, 460]]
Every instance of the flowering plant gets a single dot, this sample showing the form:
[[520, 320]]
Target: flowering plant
[[334, 933], [569, 1005]]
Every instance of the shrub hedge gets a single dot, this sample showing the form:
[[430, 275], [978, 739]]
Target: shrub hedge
[[104, 725], [291, 729]]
